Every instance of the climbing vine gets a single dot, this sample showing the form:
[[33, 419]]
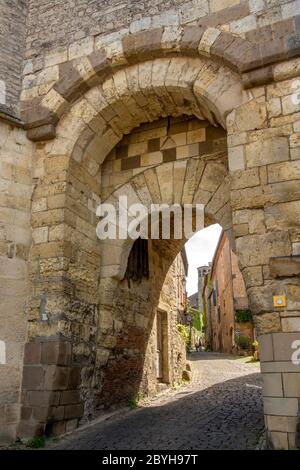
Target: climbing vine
[[243, 316]]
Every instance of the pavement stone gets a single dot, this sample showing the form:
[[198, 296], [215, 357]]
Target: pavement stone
[[221, 408]]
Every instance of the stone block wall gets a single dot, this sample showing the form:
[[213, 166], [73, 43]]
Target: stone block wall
[[127, 332], [50, 389], [16, 187], [64, 383], [175, 357], [265, 216], [56, 31], [269, 158], [281, 386], [12, 39]]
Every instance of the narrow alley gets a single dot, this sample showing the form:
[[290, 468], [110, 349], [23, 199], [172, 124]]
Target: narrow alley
[[220, 409]]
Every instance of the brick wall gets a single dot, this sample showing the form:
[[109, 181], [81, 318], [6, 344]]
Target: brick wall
[[12, 40]]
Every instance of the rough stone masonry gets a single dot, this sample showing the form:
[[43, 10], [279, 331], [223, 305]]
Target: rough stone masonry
[[174, 101]]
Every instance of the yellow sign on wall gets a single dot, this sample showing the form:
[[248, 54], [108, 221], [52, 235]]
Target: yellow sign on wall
[[279, 300]]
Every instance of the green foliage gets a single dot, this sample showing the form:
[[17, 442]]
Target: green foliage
[[243, 316], [197, 320], [248, 360], [242, 342], [36, 442], [133, 403], [252, 359], [255, 345], [185, 333]]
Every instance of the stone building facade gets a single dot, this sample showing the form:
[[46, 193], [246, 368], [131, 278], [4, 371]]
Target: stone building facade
[[221, 81], [196, 299], [203, 271], [224, 293], [165, 355]]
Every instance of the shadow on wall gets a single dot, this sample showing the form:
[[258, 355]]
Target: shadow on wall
[[228, 415], [126, 374]]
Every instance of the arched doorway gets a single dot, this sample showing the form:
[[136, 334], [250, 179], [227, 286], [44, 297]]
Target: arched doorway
[[79, 278]]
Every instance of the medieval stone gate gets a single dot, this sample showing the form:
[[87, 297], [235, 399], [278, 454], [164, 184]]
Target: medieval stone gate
[[171, 108]]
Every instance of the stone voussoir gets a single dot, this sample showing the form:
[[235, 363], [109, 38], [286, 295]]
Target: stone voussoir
[[239, 54], [71, 84], [144, 44]]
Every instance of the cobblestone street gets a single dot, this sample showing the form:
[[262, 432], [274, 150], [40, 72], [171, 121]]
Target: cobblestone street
[[220, 409]]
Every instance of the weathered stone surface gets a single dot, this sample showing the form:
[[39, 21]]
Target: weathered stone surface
[[267, 323], [253, 276], [285, 266], [249, 248], [54, 352], [143, 44], [272, 385], [283, 345], [267, 151], [250, 116], [258, 77], [236, 158], [290, 324], [42, 133], [71, 83], [284, 171], [191, 38]]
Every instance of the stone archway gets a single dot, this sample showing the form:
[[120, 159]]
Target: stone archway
[[201, 179], [66, 258]]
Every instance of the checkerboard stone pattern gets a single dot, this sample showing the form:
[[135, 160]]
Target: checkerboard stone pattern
[[166, 140]]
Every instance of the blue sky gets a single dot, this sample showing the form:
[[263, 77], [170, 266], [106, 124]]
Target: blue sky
[[200, 250]]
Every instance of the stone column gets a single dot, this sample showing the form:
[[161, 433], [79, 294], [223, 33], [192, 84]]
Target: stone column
[[51, 402], [15, 239], [63, 310], [278, 328], [281, 388], [265, 172]]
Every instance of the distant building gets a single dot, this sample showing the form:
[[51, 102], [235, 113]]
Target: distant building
[[181, 271], [202, 272], [196, 300], [165, 356], [225, 302]]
